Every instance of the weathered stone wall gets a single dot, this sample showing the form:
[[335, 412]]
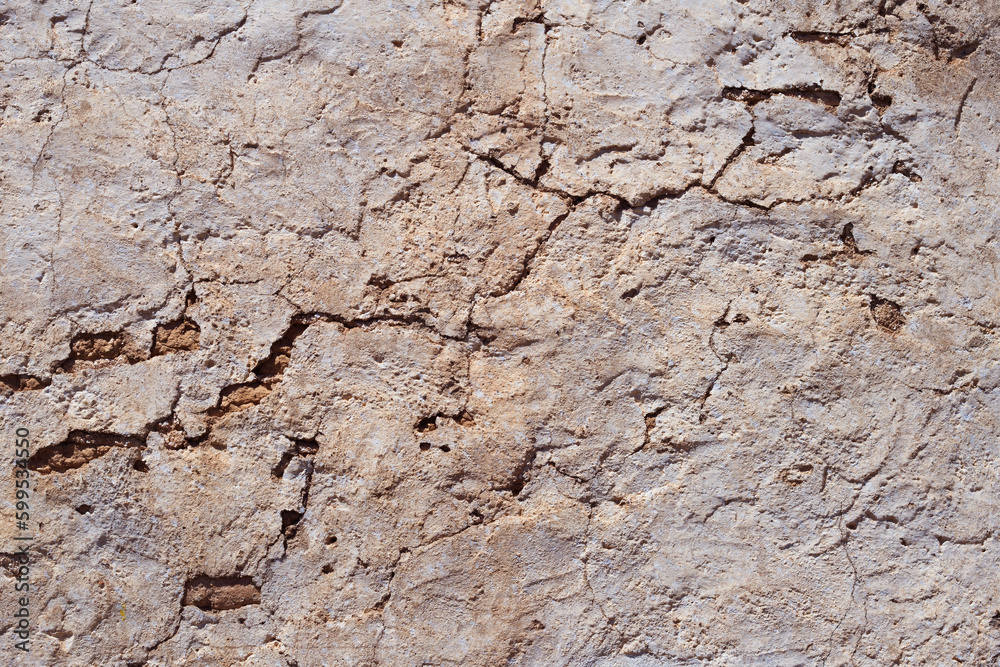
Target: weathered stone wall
[[527, 332]]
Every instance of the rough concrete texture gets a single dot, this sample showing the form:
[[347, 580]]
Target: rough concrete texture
[[524, 332]]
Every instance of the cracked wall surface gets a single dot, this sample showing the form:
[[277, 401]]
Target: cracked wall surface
[[623, 333]]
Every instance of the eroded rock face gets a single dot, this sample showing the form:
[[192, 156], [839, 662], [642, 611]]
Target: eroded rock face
[[530, 332]]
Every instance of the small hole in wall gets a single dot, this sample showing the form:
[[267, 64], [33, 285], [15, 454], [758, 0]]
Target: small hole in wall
[[641, 40], [445, 448], [332, 539], [424, 446], [426, 424], [84, 509], [140, 466], [327, 569], [887, 314], [289, 522], [852, 525]]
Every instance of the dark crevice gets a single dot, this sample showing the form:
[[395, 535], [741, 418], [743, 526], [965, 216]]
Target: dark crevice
[[543, 168], [219, 593], [827, 98], [530, 183], [79, 449], [708, 391], [279, 469], [576, 478], [964, 50], [432, 423], [303, 448], [268, 373], [380, 605], [649, 420], [380, 281], [849, 248], [839, 38], [262, 59], [868, 179], [103, 346], [289, 521], [850, 245], [306, 447], [721, 322], [428, 424], [521, 20], [745, 95], [180, 335], [961, 104], [907, 170], [18, 382], [880, 100]]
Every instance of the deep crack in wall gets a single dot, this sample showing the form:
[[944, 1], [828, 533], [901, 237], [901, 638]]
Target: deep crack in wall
[[521, 332]]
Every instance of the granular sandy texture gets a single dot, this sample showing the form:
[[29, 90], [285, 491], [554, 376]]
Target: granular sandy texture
[[620, 333]]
